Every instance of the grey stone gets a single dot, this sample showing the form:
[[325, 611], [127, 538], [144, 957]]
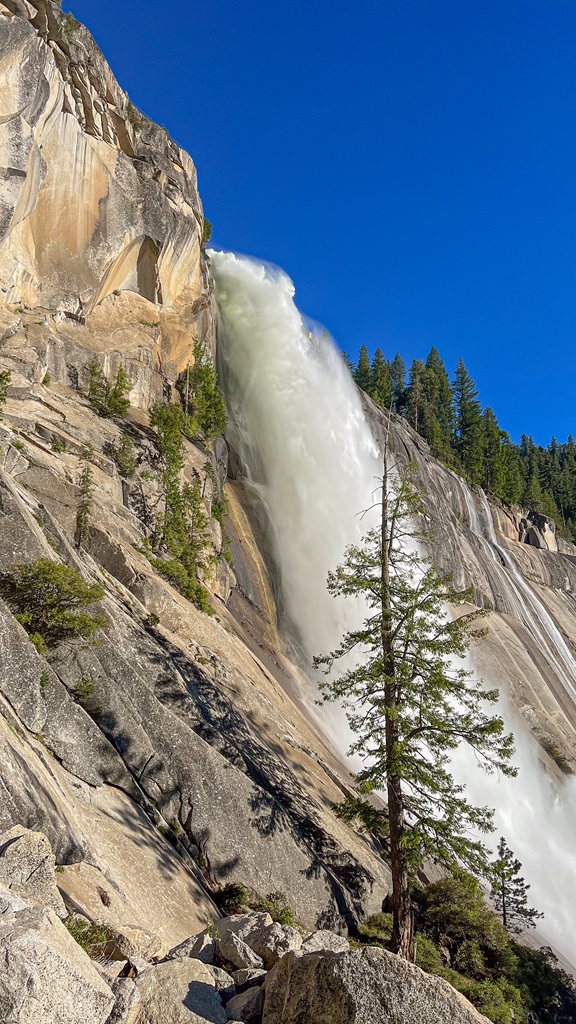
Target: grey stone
[[273, 942], [247, 978], [200, 947], [127, 1001], [223, 981], [362, 986], [325, 942], [10, 902], [132, 944], [245, 926], [179, 992], [46, 977], [27, 866], [237, 952], [247, 1006]]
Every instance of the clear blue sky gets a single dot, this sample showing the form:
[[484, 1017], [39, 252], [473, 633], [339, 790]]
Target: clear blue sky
[[411, 164]]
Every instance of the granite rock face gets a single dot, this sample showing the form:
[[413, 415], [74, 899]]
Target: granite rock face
[[364, 986], [189, 763], [96, 198]]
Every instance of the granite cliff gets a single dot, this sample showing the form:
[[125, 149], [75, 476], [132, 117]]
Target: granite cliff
[[190, 761]]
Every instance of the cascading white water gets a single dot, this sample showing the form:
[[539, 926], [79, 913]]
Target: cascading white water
[[297, 426]]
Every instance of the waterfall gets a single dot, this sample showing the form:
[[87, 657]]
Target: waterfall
[[304, 447]]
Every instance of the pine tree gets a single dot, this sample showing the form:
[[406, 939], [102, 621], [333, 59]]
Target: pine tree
[[85, 504], [362, 373], [381, 380], [108, 399], [468, 424], [493, 466], [439, 406], [398, 375], [510, 891], [512, 470], [409, 705], [415, 396]]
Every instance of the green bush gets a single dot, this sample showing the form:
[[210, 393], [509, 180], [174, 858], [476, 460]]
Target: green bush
[[276, 904], [508, 983], [85, 689], [124, 456], [233, 898], [4, 385], [49, 599], [206, 231], [108, 399], [93, 938], [204, 407], [427, 955], [377, 928]]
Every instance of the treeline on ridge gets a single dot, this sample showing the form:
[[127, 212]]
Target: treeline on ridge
[[467, 437]]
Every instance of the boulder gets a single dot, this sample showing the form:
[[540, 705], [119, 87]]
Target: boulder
[[200, 947], [325, 942], [223, 982], [247, 1006], [178, 992], [246, 926], [46, 977], [361, 986], [247, 978], [273, 942], [127, 1002], [10, 902], [132, 944], [237, 952], [27, 867]]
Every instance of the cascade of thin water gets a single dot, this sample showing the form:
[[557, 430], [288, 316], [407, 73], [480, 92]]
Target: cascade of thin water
[[297, 426], [533, 613]]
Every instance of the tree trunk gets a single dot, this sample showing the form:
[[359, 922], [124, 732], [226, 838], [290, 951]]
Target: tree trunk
[[402, 928]]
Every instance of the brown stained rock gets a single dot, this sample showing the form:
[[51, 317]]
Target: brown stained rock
[[27, 868], [46, 977], [363, 986]]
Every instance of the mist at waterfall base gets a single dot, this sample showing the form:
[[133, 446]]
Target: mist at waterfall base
[[297, 426]]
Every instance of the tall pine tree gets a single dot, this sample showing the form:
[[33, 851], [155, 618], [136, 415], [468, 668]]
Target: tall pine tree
[[468, 433], [362, 373], [408, 704], [381, 380]]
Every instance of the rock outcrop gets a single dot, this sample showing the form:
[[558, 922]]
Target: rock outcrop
[[46, 977], [96, 198], [363, 986]]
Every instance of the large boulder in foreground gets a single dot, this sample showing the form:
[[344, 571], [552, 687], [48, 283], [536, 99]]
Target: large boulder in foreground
[[46, 977], [178, 992], [362, 986]]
